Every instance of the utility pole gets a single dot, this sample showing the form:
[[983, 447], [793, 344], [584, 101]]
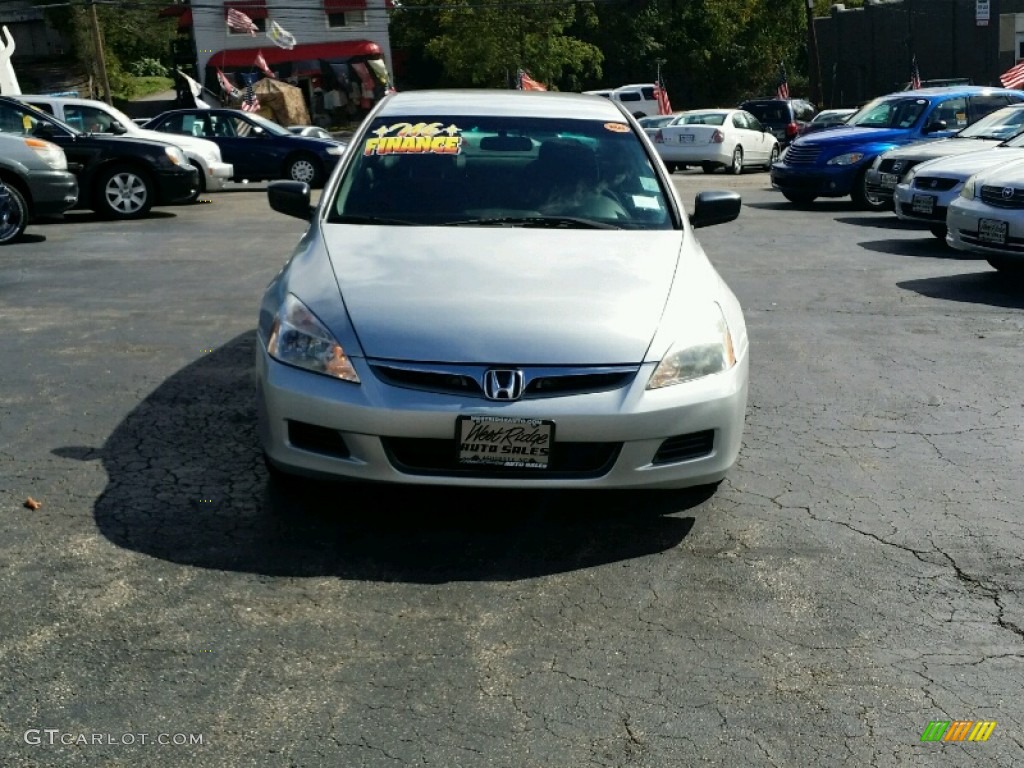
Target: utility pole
[[813, 63], [101, 59]]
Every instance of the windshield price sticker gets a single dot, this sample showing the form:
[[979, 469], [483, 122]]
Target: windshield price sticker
[[504, 441], [415, 139]]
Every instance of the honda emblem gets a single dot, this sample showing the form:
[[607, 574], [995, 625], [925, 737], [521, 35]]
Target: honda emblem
[[503, 384]]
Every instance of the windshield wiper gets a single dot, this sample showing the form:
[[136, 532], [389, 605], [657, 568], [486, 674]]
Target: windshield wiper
[[352, 219], [545, 222]]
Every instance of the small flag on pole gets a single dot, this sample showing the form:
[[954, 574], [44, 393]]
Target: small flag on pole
[[281, 37], [250, 103], [915, 74], [239, 22], [526, 83], [1013, 77], [782, 89], [226, 85], [661, 96], [261, 63]]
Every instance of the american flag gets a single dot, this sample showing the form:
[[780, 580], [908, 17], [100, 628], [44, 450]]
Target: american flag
[[226, 85], [661, 96], [239, 22], [782, 89], [915, 74], [526, 83], [250, 103], [261, 63], [1013, 77]]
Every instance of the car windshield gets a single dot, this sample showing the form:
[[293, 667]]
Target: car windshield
[[889, 113], [1003, 124], [701, 118], [23, 120], [501, 171]]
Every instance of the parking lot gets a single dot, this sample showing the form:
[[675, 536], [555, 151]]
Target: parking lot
[[858, 576]]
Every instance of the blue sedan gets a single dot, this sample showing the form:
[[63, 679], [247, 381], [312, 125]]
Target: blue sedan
[[258, 148]]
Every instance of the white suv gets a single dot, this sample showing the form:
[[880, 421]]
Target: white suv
[[637, 98], [94, 116]]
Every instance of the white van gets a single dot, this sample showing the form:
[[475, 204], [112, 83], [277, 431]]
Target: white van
[[638, 98], [93, 116]]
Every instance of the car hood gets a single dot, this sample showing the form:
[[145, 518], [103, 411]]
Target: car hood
[[969, 163], [1004, 173], [509, 295], [928, 150], [853, 136]]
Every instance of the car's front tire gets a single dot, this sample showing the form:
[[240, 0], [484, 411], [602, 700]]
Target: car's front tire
[[939, 230], [305, 168], [1008, 266], [123, 192], [13, 215], [773, 158], [799, 198], [865, 200]]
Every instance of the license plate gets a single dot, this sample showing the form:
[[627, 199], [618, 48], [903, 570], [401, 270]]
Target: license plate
[[992, 231], [890, 180], [686, 138], [499, 441], [923, 204]]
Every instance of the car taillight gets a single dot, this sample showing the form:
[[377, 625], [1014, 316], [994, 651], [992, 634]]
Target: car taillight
[[659, 138], [792, 130], [717, 137]]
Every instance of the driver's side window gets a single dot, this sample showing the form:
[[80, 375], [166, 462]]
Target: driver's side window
[[15, 121]]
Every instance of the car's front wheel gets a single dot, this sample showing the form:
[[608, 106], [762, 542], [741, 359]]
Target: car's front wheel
[[737, 161], [867, 200], [799, 198], [939, 230], [305, 168], [123, 192], [13, 214], [773, 158]]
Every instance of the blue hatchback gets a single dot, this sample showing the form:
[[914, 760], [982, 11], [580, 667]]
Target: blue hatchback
[[834, 163], [259, 149]]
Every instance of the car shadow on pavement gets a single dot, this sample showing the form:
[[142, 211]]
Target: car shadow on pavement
[[825, 205], [186, 483], [927, 246], [883, 222], [81, 217], [988, 287]]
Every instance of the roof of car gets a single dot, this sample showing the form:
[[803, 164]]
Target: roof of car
[[499, 102], [966, 90]]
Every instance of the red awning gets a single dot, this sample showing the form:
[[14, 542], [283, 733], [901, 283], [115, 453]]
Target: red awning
[[254, 9], [340, 6], [244, 58], [185, 20]]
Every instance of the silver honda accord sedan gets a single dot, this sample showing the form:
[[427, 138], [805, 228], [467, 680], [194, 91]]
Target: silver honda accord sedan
[[501, 288]]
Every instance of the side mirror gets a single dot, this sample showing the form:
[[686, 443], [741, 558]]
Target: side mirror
[[715, 207], [936, 125], [290, 198], [43, 130], [117, 129]]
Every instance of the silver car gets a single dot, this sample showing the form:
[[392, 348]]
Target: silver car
[[501, 288]]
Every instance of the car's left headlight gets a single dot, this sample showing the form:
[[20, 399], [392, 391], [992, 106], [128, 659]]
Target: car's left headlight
[[298, 338], [338, 150], [908, 177], [704, 347], [968, 188], [175, 155], [850, 158]]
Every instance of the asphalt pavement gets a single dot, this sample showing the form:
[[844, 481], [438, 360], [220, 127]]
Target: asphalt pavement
[[857, 577]]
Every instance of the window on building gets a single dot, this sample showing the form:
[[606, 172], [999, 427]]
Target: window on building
[[346, 19]]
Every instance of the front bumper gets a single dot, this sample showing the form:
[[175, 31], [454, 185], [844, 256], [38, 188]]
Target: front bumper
[[816, 180], [176, 185], [880, 184], [964, 231], [217, 175], [380, 430], [927, 206], [52, 192]]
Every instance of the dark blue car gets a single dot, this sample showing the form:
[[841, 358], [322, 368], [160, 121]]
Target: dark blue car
[[834, 163], [258, 148]]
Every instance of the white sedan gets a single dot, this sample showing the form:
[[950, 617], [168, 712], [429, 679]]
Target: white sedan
[[988, 217], [716, 138]]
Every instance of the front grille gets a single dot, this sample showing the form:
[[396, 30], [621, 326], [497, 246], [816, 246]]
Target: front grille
[[538, 382], [685, 447], [310, 437], [806, 154], [994, 196], [934, 183], [889, 166], [433, 456], [938, 212]]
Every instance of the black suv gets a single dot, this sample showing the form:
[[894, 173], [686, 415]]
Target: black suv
[[118, 177], [785, 118]]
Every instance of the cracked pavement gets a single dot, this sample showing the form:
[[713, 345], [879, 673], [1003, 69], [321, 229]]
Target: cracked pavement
[[857, 576]]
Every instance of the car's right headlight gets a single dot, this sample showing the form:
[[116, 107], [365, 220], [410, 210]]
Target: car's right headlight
[[704, 347], [298, 338], [49, 153], [968, 188], [850, 158]]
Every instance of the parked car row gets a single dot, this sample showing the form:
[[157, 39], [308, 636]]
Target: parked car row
[[949, 158], [58, 153]]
